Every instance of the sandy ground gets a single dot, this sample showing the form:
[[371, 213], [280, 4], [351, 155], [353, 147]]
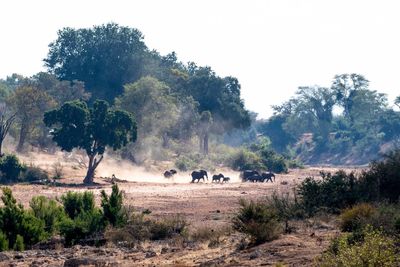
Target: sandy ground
[[203, 204]]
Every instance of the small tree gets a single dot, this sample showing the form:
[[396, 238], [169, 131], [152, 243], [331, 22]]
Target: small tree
[[6, 120], [92, 129]]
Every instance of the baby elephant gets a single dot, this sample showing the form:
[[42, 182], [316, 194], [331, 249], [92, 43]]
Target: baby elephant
[[226, 179], [217, 177]]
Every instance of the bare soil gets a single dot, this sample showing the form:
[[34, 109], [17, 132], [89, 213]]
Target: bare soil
[[203, 204]]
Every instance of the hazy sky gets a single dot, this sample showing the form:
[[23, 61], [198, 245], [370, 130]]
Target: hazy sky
[[272, 47]]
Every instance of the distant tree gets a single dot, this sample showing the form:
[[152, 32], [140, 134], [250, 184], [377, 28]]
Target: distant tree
[[61, 91], [205, 123], [92, 129], [29, 103], [397, 101], [104, 57], [274, 129], [154, 107], [6, 120]]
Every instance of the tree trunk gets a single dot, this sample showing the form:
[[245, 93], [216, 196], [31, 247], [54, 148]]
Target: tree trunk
[[1, 147], [165, 140], [93, 163], [205, 142], [201, 143], [22, 137]]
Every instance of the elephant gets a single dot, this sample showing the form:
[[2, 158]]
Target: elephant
[[226, 179], [247, 174], [197, 175], [268, 176], [170, 173], [255, 178], [217, 177]]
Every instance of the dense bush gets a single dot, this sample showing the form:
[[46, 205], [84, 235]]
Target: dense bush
[[184, 163], [356, 218], [375, 249], [246, 160], [10, 169], [15, 221], [332, 192], [257, 220], [4, 244], [113, 211], [76, 203], [47, 210]]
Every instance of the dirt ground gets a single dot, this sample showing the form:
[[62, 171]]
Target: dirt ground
[[203, 204]]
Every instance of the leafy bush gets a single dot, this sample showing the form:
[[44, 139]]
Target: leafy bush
[[184, 163], [33, 173], [246, 160], [375, 249], [4, 245], [113, 211], [333, 192], [48, 211], [84, 219], [10, 169], [14, 221], [76, 203], [274, 161], [19, 244], [257, 220], [355, 218]]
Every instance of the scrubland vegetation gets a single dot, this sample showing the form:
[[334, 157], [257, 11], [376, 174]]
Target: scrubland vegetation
[[113, 96]]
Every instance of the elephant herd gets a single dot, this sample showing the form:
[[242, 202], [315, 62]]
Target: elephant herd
[[246, 176]]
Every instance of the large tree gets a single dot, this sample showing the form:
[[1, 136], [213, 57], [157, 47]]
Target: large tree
[[6, 120], [29, 103], [91, 129], [104, 57]]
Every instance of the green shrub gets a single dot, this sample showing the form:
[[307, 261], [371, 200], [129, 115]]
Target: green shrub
[[333, 193], [48, 211], [112, 207], [10, 169], [4, 245], [84, 226], [246, 160], [32, 229], [184, 163], [375, 249], [33, 173], [75, 203], [274, 161], [356, 218], [258, 221], [19, 244]]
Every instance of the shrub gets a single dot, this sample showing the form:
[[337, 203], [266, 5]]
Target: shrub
[[32, 229], [10, 169], [258, 221], [356, 218], [84, 226], [184, 163], [333, 192], [48, 211], [274, 161], [112, 207], [58, 172], [286, 208], [33, 173], [4, 245], [374, 250], [75, 203], [246, 160], [19, 244]]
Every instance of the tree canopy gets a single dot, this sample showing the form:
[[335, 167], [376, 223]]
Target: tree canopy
[[91, 129]]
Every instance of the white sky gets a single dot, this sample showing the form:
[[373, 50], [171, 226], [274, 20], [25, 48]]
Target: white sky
[[272, 47]]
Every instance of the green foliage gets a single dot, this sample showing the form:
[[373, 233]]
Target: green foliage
[[184, 163], [112, 207], [333, 192], [375, 249], [257, 220], [77, 126], [353, 219], [15, 221], [76, 203], [246, 160], [4, 244], [10, 169], [83, 219], [48, 211], [104, 57], [19, 244]]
